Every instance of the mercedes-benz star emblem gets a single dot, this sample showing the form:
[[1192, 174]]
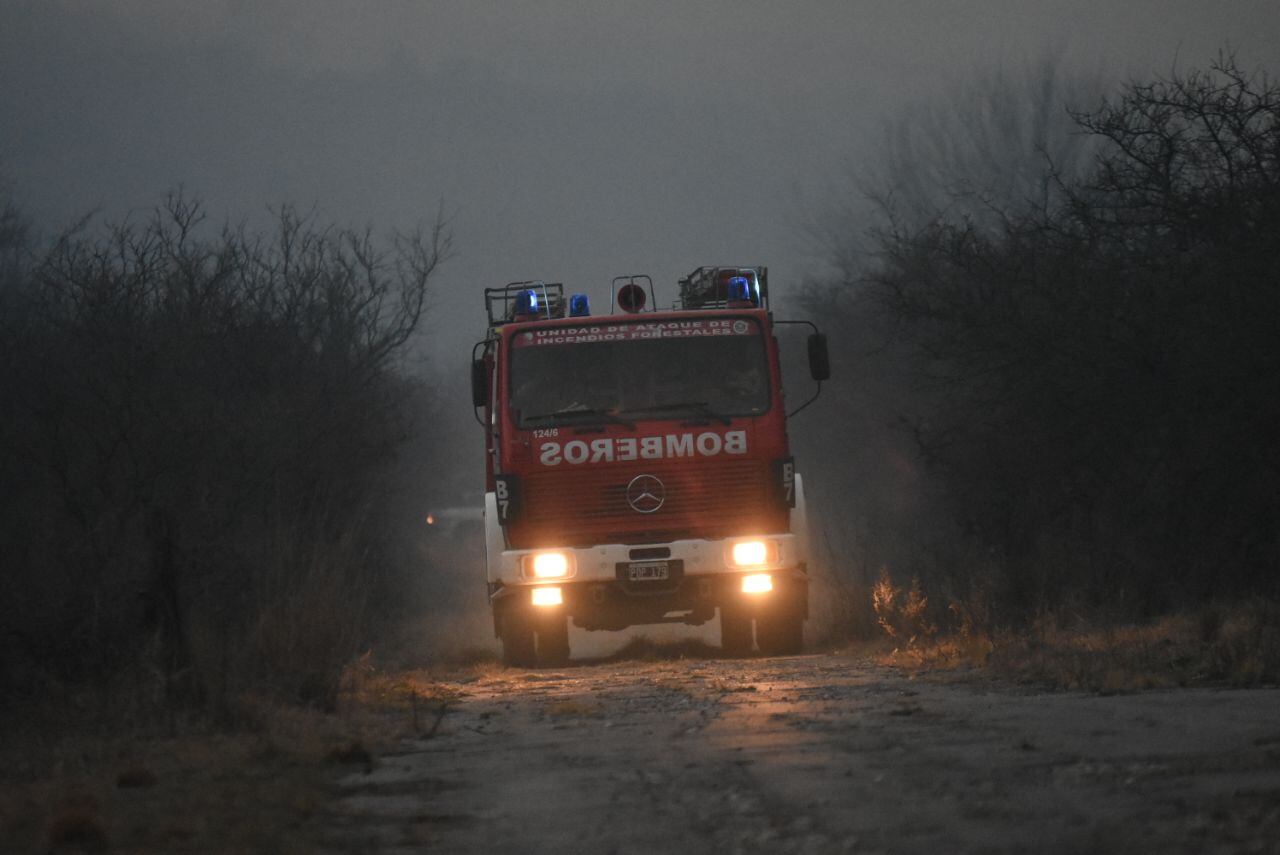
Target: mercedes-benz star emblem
[[645, 494]]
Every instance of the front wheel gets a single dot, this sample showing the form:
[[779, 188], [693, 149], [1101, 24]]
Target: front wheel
[[780, 635], [735, 632], [518, 650], [553, 641]]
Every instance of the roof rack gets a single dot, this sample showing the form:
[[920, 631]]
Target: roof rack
[[500, 303], [708, 287]]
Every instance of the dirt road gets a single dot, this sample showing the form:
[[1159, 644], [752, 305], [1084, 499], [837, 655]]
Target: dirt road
[[819, 753]]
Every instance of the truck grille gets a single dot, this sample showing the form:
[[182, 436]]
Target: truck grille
[[576, 507]]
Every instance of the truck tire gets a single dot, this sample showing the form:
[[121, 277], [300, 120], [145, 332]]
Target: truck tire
[[781, 634], [553, 642], [518, 649], [735, 632]]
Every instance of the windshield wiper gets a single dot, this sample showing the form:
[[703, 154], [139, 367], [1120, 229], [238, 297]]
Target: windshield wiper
[[575, 412], [701, 408]]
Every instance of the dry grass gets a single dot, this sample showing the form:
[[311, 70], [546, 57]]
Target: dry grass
[[1221, 644], [902, 614], [188, 793], [947, 652], [85, 772], [1233, 645], [116, 768]]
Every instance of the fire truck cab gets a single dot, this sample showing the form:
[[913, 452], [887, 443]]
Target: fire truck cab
[[638, 469]]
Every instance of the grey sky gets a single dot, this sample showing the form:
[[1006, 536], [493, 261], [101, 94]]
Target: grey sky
[[573, 140]]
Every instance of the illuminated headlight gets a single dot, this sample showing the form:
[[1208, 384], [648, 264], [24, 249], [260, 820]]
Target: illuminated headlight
[[753, 553], [757, 583], [549, 596], [547, 565]]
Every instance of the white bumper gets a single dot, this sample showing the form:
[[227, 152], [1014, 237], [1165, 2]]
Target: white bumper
[[599, 563]]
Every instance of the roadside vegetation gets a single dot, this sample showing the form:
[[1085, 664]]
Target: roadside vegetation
[[78, 776], [1233, 644], [207, 513], [1059, 387], [198, 429]]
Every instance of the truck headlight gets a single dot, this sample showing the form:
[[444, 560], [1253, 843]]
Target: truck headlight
[[547, 565], [753, 553]]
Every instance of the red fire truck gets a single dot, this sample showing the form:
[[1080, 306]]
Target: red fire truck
[[638, 469]]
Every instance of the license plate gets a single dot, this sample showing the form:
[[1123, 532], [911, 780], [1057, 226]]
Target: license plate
[[649, 571]]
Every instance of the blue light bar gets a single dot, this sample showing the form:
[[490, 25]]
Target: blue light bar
[[579, 307], [526, 302], [740, 290]]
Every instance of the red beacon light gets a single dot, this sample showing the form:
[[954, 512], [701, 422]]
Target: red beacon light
[[631, 297]]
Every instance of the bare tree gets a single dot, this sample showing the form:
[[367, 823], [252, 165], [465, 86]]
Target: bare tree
[[1086, 372], [202, 418], [999, 140]]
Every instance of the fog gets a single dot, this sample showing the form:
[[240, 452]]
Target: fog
[[567, 141], [563, 141]]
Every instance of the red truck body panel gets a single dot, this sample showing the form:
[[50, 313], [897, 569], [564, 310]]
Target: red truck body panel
[[719, 473]]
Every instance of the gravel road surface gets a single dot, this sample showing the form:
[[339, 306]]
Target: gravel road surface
[[819, 753]]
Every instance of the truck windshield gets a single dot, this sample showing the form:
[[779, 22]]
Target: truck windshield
[[620, 373]]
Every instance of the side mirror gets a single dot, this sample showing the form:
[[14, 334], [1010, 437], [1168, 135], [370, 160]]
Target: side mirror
[[819, 360], [479, 384]]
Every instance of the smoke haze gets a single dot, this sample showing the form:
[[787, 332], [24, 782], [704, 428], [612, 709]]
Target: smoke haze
[[567, 140]]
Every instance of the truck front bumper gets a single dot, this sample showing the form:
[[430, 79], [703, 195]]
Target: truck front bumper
[[613, 605], [510, 567], [694, 578], [598, 592]]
